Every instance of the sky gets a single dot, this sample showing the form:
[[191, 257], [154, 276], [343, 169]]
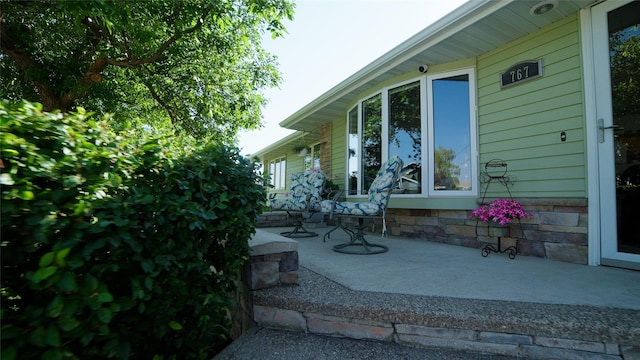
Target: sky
[[328, 41]]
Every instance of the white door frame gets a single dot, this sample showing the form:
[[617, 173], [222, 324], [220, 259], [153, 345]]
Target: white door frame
[[595, 241], [593, 171]]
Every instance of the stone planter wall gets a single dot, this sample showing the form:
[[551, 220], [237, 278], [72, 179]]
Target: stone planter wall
[[558, 230], [276, 219]]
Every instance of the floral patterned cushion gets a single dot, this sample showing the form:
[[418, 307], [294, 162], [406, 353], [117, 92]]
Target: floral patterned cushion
[[378, 193], [306, 185]]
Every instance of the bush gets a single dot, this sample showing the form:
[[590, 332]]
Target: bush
[[118, 246]]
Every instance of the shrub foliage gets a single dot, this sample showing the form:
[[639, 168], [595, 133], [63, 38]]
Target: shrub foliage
[[118, 246]]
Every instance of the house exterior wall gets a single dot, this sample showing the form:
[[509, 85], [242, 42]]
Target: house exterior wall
[[521, 125]]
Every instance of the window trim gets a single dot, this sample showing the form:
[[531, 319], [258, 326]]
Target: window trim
[[311, 156], [426, 123], [282, 176], [473, 135]]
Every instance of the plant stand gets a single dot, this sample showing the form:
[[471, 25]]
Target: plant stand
[[488, 249], [496, 170]]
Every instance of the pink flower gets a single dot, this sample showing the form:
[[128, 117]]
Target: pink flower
[[502, 211]]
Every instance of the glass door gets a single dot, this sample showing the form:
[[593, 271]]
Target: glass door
[[616, 34]]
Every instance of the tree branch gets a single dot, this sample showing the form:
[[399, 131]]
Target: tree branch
[[171, 111], [135, 63]]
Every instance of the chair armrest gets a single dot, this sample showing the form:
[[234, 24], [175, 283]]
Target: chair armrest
[[337, 195]]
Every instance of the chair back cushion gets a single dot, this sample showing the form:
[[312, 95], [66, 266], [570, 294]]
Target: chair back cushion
[[314, 181], [378, 197], [385, 180], [304, 185]]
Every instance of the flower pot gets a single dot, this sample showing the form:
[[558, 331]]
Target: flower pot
[[497, 230]]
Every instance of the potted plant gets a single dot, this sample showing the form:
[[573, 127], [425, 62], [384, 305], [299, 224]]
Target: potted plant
[[300, 149], [499, 214], [329, 189]]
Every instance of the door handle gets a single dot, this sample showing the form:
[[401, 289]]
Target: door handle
[[602, 128]]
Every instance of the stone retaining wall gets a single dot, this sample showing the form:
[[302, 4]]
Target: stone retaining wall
[[498, 343], [273, 260]]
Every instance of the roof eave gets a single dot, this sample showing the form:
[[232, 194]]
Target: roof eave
[[463, 16]]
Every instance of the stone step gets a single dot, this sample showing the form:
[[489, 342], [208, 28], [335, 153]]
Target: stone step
[[318, 305]]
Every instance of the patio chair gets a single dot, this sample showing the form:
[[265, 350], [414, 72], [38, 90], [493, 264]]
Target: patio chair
[[374, 208], [304, 198]]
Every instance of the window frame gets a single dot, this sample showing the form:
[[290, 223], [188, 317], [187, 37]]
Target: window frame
[[427, 132], [313, 156], [473, 145], [279, 182]]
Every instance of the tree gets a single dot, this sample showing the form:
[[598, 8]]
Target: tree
[[446, 172], [195, 65]]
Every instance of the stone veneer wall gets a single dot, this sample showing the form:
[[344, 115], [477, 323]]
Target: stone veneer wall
[[277, 219], [325, 149], [558, 230], [273, 261]]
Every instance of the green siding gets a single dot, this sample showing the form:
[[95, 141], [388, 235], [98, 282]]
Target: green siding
[[521, 124]]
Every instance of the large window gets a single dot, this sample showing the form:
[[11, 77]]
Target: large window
[[277, 173], [429, 123], [312, 159], [452, 135]]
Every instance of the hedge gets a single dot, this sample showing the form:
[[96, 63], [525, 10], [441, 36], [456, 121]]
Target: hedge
[[118, 246]]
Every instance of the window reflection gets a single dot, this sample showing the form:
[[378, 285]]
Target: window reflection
[[451, 133], [405, 137], [371, 140], [353, 145]]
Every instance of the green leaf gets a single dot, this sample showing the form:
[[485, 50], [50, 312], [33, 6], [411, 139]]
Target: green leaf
[[175, 325], [26, 195], [67, 282], [8, 353], [44, 273], [104, 315], [37, 336], [86, 338], [46, 259], [105, 297], [52, 336], [5, 179], [52, 354], [61, 255], [147, 199], [90, 283], [148, 283], [72, 181], [68, 324], [54, 309], [147, 265]]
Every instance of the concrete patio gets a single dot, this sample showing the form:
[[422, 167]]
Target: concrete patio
[[420, 267], [447, 299]]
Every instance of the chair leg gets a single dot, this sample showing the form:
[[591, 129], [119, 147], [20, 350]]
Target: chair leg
[[359, 244], [349, 232], [298, 231]]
